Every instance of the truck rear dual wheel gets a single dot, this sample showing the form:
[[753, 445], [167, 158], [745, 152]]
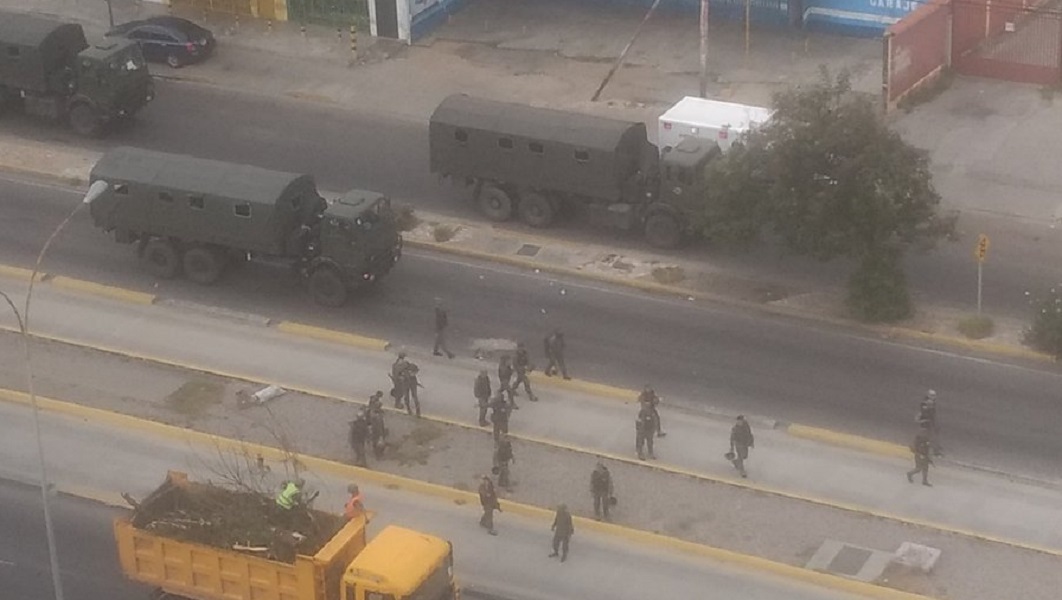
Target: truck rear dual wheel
[[203, 265], [162, 259], [664, 230], [327, 287], [494, 202], [536, 210], [84, 120]]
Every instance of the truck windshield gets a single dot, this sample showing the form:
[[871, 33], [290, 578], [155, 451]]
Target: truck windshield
[[438, 585]]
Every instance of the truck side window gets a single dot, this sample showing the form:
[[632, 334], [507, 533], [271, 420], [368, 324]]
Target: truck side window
[[505, 143], [242, 209], [536, 148], [166, 197], [582, 155], [461, 136], [196, 201], [121, 189]]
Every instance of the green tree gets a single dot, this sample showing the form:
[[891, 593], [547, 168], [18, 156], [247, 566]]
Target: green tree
[[828, 178]]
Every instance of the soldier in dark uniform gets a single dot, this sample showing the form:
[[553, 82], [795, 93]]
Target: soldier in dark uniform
[[359, 434], [488, 499], [481, 390], [503, 456], [442, 322], [399, 379], [411, 384], [601, 489], [555, 346], [921, 449], [644, 428], [377, 428], [927, 419], [505, 379], [522, 365], [648, 399], [499, 415], [740, 441], [563, 530]]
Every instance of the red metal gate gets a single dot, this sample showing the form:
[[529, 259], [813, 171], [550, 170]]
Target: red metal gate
[[917, 50], [1007, 39]]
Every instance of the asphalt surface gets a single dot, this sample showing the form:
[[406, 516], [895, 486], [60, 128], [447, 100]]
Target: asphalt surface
[[347, 147], [992, 412], [511, 566], [87, 556]]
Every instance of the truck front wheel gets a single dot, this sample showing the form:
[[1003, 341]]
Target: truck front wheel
[[536, 210], [203, 265], [495, 203], [162, 259], [327, 287], [663, 230], [84, 120]]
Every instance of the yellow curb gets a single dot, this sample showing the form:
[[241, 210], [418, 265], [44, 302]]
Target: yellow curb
[[457, 496], [990, 347], [106, 291], [855, 442], [18, 273], [330, 335], [589, 387], [741, 483]]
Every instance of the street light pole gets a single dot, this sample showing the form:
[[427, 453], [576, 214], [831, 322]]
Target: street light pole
[[94, 191], [110, 13]]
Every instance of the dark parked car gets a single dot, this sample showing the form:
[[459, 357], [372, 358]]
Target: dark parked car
[[172, 40]]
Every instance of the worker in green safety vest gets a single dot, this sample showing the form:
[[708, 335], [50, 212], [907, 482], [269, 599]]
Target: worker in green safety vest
[[290, 494]]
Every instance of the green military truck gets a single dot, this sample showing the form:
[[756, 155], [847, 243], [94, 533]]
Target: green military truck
[[48, 69], [533, 162], [199, 216]]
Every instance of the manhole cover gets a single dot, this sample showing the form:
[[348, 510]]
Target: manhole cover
[[850, 560], [528, 250]]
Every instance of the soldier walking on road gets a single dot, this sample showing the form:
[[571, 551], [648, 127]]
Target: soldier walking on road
[[481, 390], [921, 449], [740, 441], [488, 499], [648, 399], [522, 365], [644, 428], [927, 419], [554, 345], [563, 530], [505, 379], [359, 434], [499, 415], [503, 456], [601, 489], [442, 322]]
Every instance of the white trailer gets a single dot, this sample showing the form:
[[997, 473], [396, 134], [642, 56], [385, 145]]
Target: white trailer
[[720, 122]]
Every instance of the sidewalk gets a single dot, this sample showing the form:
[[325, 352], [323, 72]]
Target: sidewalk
[[489, 49], [838, 488]]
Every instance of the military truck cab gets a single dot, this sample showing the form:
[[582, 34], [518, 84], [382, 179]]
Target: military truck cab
[[48, 69], [683, 185]]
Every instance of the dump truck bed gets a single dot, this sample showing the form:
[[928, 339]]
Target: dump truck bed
[[204, 572]]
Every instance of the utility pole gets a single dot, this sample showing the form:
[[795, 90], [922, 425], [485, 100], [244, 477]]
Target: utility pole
[[704, 48], [626, 49]]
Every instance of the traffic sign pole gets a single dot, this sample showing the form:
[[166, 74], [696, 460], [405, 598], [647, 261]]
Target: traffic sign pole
[[981, 252], [980, 279]]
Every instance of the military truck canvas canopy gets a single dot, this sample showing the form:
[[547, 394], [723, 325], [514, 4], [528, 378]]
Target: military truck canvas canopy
[[33, 49], [523, 145], [235, 205]]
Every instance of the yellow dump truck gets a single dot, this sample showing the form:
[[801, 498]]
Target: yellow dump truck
[[397, 564]]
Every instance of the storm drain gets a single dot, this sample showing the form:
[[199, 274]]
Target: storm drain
[[846, 560], [528, 250]]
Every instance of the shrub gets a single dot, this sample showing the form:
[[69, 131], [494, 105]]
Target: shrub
[[668, 275], [976, 327], [877, 290], [444, 232], [1045, 333], [405, 219]]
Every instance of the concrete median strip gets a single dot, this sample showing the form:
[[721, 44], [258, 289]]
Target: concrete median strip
[[450, 494], [331, 335], [846, 440], [105, 291]]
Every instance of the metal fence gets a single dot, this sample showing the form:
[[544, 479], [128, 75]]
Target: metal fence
[[1007, 40], [917, 50], [228, 7], [330, 12]]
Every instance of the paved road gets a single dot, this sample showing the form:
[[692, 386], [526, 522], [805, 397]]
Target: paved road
[[512, 566], [700, 355], [348, 148], [83, 533]]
